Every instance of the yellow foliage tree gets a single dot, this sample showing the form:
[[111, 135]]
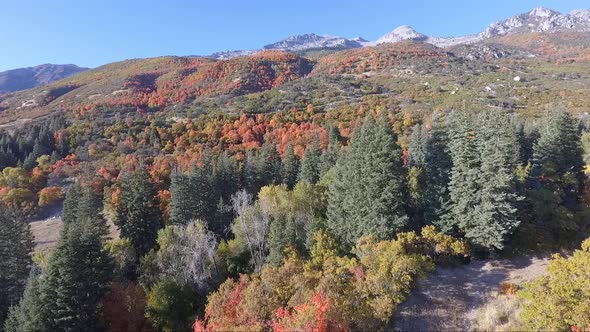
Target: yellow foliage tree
[[560, 300]]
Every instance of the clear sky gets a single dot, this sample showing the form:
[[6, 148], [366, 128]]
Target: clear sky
[[94, 32]]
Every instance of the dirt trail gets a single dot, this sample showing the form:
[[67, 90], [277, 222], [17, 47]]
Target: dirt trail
[[447, 299]]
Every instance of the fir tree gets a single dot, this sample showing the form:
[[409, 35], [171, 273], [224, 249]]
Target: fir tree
[[262, 168], [226, 176], [70, 205], [138, 214], [557, 178], [496, 213], [16, 246], [330, 156], [290, 167], [26, 316], [367, 194], [79, 272], [310, 166], [417, 181], [463, 183]]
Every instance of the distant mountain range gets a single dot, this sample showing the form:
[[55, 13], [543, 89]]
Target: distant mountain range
[[540, 19], [27, 78]]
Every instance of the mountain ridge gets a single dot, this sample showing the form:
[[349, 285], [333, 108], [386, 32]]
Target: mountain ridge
[[539, 19], [30, 77]]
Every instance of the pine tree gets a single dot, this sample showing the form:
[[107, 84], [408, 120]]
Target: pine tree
[[226, 176], [463, 183], [138, 214], [496, 213], [262, 168], [78, 273], [290, 167], [557, 178], [310, 166], [26, 316], [70, 205], [270, 164], [16, 246], [437, 169], [482, 187], [367, 195], [193, 196], [417, 181]]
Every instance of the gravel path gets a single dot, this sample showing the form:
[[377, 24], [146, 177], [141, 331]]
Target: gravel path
[[447, 299]]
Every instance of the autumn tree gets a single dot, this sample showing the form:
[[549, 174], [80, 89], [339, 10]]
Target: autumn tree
[[558, 300]]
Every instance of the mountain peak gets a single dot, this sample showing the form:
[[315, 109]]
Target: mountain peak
[[540, 19], [404, 32], [543, 12], [310, 41]]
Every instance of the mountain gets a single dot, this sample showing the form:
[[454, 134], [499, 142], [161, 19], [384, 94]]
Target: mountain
[[27, 78], [158, 83], [540, 19], [404, 32], [299, 43], [313, 41]]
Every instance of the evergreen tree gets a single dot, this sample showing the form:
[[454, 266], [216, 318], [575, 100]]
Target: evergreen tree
[[482, 187], [367, 194], [496, 217], [330, 156], [70, 205], [557, 178], [26, 316], [262, 168], [226, 176], [138, 214], [463, 184], [310, 166], [78, 273], [193, 196], [16, 246], [270, 164], [417, 181], [437, 169], [290, 167]]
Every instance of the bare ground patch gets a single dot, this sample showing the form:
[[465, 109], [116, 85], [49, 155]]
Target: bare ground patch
[[449, 298]]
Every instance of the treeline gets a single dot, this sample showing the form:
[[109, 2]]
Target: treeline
[[334, 240], [24, 146]]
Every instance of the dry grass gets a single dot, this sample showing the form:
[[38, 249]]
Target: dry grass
[[46, 233], [500, 313]]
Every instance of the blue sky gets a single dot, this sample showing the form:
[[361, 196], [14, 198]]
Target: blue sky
[[91, 33]]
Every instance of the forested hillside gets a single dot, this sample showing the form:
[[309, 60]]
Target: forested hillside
[[285, 192]]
